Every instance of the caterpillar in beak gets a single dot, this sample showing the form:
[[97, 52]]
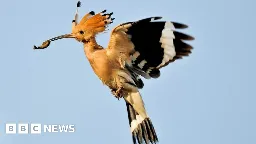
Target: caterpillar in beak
[[44, 45]]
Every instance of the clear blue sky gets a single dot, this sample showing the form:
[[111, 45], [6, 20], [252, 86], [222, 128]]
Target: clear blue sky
[[207, 98]]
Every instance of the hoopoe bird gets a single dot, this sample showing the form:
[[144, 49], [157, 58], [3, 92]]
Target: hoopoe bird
[[139, 48]]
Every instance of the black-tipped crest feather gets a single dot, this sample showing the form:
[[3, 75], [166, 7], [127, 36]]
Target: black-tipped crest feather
[[78, 4], [92, 12]]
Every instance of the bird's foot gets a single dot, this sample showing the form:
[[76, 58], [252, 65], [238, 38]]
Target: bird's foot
[[118, 93]]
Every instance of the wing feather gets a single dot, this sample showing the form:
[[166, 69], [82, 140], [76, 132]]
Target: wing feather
[[148, 45]]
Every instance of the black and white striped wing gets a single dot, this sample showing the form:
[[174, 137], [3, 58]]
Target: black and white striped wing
[[155, 45]]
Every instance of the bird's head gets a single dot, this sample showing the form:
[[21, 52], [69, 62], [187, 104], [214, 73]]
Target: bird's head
[[89, 26]]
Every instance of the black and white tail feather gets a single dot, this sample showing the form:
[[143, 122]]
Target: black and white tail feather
[[142, 129], [156, 44]]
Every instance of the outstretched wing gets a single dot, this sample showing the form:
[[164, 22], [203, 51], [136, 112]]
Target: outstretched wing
[[149, 45]]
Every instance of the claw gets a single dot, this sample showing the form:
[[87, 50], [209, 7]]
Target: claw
[[118, 93], [113, 91]]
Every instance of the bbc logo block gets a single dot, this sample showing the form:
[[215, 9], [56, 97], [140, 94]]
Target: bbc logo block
[[23, 128], [36, 128], [33, 128], [10, 128]]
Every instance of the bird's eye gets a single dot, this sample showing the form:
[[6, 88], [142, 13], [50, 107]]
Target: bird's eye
[[81, 32]]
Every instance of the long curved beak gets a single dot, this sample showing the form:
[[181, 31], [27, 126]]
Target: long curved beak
[[46, 43]]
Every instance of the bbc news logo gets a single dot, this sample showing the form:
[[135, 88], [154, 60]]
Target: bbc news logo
[[25, 128]]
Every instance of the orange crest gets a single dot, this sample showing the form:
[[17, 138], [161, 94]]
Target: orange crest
[[93, 24]]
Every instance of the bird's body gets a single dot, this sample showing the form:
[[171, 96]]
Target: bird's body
[[104, 66], [99, 61], [139, 48]]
